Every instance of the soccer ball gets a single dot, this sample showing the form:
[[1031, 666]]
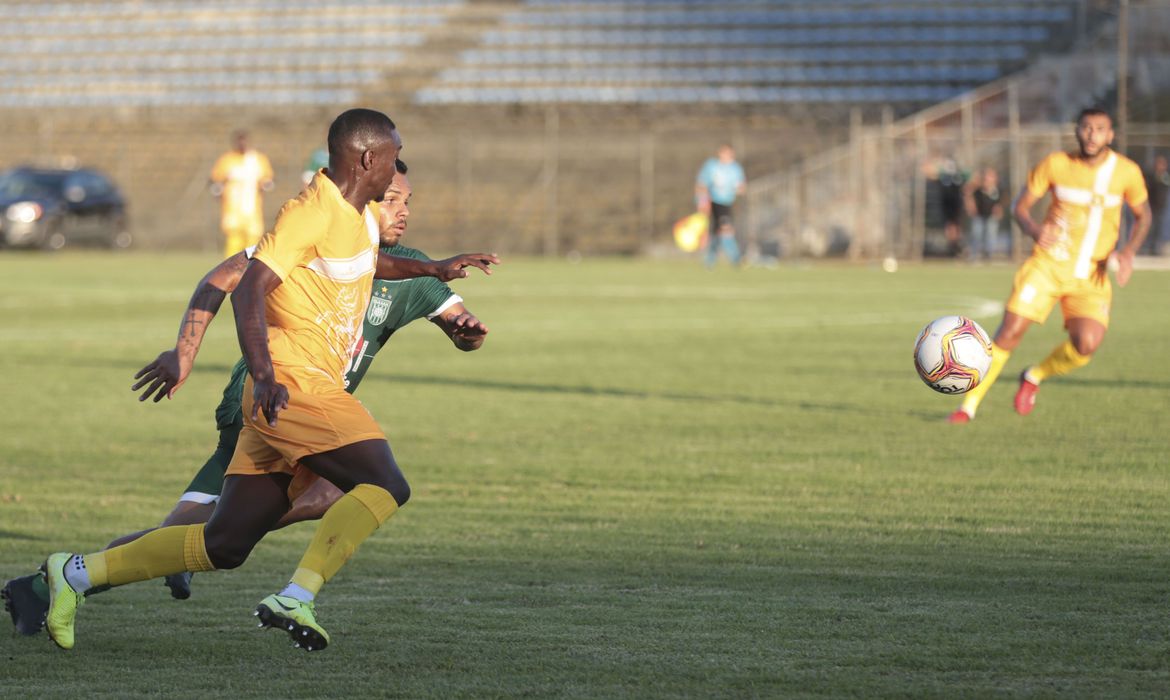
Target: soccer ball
[[952, 354]]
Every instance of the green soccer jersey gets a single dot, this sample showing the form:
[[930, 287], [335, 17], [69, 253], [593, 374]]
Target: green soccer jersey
[[393, 304]]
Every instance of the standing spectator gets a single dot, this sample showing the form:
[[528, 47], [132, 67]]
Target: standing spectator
[[985, 210], [1158, 185], [237, 178], [951, 180], [720, 181]]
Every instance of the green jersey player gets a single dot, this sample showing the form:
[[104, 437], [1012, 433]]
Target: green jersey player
[[393, 305]]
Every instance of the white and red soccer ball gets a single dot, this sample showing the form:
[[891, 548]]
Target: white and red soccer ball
[[952, 354]]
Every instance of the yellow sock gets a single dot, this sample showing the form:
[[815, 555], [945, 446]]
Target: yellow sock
[[167, 550], [972, 399], [346, 524], [1063, 359]]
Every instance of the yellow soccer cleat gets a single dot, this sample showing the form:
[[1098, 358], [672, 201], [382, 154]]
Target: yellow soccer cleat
[[296, 618], [63, 601]]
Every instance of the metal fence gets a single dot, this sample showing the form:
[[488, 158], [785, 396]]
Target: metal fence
[[884, 193]]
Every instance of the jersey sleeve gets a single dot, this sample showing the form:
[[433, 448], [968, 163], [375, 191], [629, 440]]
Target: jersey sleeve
[[1135, 192], [1040, 179], [704, 176], [293, 240], [219, 170], [265, 169]]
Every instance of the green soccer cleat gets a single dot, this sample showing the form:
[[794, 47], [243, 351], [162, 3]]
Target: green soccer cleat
[[294, 617], [24, 603], [63, 601]]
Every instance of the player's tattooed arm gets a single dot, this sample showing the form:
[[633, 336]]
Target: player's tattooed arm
[[465, 330], [392, 267], [170, 369], [268, 395]]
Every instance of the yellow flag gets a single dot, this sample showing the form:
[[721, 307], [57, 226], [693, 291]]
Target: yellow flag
[[690, 231]]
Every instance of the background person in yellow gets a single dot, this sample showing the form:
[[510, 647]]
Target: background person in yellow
[[238, 178], [299, 310], [1074, 249]]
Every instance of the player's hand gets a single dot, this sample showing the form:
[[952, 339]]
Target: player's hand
[[164, 375], [269, 396], [1120, 264], [456, 267], [466, 325], [1048, 234]]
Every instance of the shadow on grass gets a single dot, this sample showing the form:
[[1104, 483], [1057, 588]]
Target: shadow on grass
[[608, 392], [17, 535], [522, 387]]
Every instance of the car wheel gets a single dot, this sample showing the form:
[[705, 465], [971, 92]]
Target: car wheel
[[121, 240], [54, 240]]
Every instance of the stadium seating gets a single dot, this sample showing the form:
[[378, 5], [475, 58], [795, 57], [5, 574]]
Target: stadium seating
[[832, 51], [178, 53], [229, 52]]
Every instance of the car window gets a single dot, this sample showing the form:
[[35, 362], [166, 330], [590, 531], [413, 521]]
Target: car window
[[86, 185], [33, 185]]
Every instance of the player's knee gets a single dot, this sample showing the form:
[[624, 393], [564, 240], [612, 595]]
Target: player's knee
[[226, 553], [399, 491], [1086, 344]]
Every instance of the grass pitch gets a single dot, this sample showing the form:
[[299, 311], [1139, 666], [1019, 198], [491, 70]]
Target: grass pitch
[[652, 481]]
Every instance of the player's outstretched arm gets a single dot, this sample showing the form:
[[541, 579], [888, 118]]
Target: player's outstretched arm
[[1143, 216], [465, 330], [1044, 235], [392, 267], [252, 329], [170, 369]]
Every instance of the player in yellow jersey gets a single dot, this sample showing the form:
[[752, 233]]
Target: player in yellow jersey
[[238, 178], [299, 310], [1074, 248]]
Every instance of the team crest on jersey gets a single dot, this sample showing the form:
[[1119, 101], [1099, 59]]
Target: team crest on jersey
[[379, 310]]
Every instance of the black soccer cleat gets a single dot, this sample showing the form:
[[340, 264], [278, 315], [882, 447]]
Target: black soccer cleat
[[27, 609], [180, 585]]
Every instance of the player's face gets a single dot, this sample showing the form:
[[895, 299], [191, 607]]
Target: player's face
[[1094, 133], [395, 210]]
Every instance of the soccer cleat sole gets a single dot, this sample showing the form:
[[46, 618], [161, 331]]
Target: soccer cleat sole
[[302, 637]]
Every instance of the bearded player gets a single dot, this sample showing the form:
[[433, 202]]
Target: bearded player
[[1069, 262]]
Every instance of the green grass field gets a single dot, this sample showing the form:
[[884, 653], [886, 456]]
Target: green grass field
[[652, 481]]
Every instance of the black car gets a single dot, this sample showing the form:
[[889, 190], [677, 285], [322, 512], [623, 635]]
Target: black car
[[52, 208]]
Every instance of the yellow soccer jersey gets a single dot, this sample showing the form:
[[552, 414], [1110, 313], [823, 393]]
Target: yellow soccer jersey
[[1086, 205], [325, 253], [241, 175]]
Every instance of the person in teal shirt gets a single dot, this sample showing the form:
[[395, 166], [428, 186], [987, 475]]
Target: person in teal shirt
[[720, 181], [393, 305]]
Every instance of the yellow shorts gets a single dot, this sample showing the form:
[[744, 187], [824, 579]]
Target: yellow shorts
[[240, 235], [321, 416], [1040, 283]]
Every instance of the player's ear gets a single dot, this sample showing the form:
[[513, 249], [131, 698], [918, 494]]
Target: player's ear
[[367, 160]]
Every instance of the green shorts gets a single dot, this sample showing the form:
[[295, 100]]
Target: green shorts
[[208, 482]]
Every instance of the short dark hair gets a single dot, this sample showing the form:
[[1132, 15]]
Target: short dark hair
[[1094, 112], [359, 126], [400, 166]]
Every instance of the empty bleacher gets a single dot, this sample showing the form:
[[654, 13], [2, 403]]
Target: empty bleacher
[[829, 52], [184, 53]]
